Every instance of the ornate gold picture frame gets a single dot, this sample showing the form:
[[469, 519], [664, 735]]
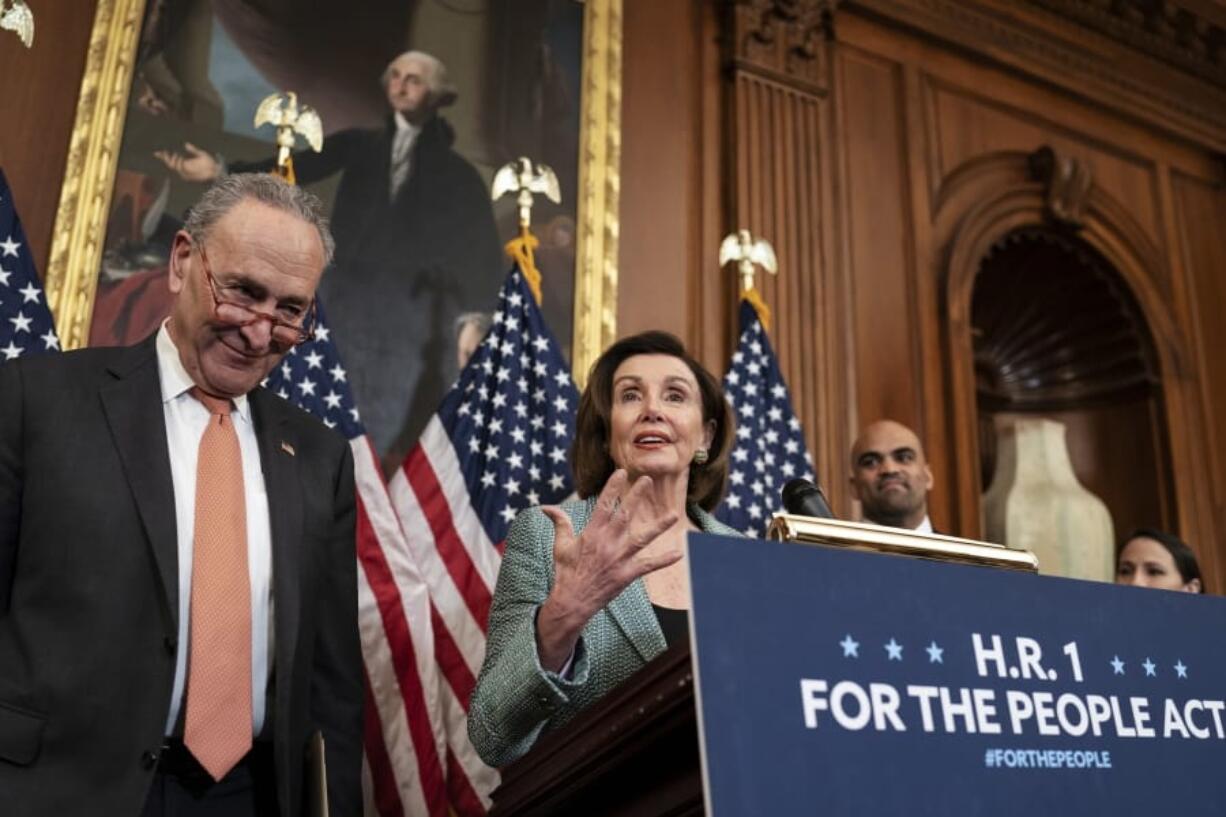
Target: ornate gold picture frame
[[85, 199]]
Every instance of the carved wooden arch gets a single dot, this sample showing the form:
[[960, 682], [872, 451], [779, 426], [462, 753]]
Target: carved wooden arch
[[984, 200]]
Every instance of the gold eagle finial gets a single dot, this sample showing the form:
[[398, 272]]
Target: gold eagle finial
[[282, 111], [16, 16], [525, 177]]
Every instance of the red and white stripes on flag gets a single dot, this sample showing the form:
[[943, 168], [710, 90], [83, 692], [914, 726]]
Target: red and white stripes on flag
[[498, 444], [460, 566], [404, 735]]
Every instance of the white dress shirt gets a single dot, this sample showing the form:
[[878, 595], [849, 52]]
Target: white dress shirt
[[925, 526], [402, 152], [186, 418]]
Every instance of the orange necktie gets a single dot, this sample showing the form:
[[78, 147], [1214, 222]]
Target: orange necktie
[[218, 727]]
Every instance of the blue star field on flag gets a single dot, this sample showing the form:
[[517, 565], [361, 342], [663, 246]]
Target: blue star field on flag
[[26, 326], [770, 444], [311, 377], [511, 414]]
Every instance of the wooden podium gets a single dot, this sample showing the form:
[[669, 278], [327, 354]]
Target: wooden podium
[[634, 753]]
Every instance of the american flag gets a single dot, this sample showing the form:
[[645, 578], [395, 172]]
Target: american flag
[[404, 738], [26, 326], [770, 445], [497, 445]]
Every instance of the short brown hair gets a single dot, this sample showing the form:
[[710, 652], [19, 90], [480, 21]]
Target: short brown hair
[[589, 455]]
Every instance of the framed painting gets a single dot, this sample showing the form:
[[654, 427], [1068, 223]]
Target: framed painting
[[422, 101]]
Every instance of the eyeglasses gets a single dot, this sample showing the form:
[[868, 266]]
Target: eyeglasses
[[238, 313]]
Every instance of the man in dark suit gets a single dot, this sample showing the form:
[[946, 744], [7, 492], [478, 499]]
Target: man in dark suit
[[416, 246], [177, 574], [890, 476]]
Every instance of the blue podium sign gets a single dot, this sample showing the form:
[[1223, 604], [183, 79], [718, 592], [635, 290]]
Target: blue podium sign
[[834, 682]]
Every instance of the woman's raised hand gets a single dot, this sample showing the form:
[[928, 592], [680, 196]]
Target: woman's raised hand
[[592, 569]]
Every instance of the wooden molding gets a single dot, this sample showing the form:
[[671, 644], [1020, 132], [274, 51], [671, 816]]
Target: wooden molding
[[989, 198], [1172, 31], [1067, 181], [784, 40], [1060, 52]]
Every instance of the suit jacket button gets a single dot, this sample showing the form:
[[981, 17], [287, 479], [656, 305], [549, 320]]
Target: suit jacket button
[[171, 643], [149, 759]]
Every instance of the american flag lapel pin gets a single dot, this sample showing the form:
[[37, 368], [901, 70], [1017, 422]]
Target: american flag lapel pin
[[287, 448]]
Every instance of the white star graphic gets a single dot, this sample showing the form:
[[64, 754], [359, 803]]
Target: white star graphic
[[1150, 668], [1181, 669], [4, 276], [332, 399], [308, 387], [50, 341], [894, 649], [314, 360], [21, 322], [12, 351], [556, 482], [9, 247], [1117, 666], [322, 332], [29, 294], [851, 647], [935, 653]]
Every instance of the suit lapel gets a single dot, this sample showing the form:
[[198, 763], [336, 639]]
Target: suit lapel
[[133, 408], [278, 461]]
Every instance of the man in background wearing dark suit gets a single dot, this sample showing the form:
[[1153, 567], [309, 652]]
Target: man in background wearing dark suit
[[178, 611], [890, 476]]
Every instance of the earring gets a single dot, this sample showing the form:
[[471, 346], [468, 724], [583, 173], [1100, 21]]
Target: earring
[[701, 457]]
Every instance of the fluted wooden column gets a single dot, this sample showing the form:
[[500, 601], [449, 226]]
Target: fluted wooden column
[[781, 186]]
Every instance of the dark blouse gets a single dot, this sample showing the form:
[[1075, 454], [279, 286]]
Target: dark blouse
[[674, 623]]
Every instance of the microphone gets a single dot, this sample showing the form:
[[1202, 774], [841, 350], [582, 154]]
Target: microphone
[[805, 499]]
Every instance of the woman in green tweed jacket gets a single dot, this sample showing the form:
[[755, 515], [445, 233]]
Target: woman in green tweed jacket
[[592, 590]]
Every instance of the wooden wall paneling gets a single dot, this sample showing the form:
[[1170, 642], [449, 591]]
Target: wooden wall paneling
[[661, 195], [37, 106], [1048, 49], [832, 361], [711, 328], [1201, 215], [973, 124], [920, 135], [885, 311]]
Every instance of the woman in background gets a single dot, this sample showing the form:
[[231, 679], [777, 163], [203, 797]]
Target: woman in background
[[1152, 558]]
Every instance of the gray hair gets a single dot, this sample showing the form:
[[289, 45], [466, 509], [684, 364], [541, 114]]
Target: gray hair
[[481, 320], [442, 92], [266, 188]]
